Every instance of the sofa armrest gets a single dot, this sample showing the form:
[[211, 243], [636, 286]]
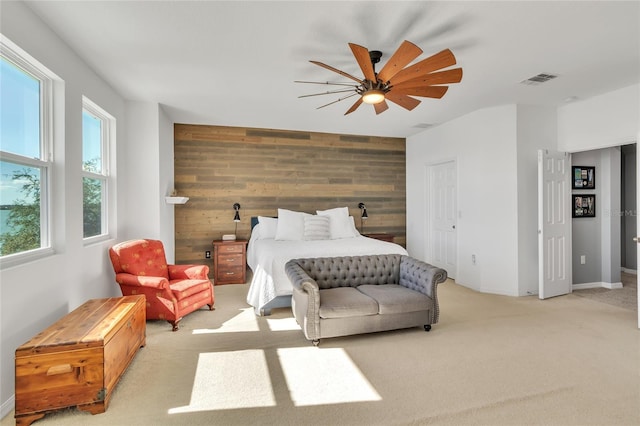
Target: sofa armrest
[[188, 272], [420, 276], [305, 300], [423, 277], [301, 280]]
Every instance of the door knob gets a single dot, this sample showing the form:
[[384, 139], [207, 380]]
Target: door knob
[[635, 239]]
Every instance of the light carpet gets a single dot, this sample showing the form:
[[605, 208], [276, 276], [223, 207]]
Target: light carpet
[[492, 360], [625, 297]]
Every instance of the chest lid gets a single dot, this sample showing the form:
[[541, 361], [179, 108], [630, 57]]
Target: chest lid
[[90, 325]]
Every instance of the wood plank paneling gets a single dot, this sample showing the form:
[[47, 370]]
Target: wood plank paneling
[[266, 169]]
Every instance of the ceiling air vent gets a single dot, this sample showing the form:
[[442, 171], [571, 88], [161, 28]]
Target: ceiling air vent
[[539, 79]]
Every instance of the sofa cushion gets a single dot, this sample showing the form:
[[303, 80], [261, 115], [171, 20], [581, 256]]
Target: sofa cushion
[[345, 302], [394, 299]]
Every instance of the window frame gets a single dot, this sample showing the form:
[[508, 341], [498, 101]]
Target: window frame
[[27, 64], [107, 130]]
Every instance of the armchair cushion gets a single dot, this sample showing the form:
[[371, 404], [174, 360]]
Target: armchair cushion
[[181, 289]]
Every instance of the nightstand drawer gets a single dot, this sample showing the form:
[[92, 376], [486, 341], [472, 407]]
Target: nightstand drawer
[[230, 275], [225, 260], [230, 248]]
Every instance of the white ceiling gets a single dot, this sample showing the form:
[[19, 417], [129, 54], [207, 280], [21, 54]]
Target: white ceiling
[[234, 63]]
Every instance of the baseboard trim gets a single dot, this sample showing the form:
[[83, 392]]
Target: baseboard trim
[[612, 286], [7, 407], [629, 271], [599, 284]]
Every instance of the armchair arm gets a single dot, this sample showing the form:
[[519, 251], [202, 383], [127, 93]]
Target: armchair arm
[[188, 272], [123, 278]]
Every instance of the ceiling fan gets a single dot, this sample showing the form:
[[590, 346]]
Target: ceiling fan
[[396, 81]]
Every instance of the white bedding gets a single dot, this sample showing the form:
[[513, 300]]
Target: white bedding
[[267, 257]]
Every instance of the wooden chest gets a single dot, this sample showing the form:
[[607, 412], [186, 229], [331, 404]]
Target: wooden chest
[[229, 262], [78, 360]]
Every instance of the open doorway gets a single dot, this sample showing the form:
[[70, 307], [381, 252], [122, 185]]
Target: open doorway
[[604, 250]]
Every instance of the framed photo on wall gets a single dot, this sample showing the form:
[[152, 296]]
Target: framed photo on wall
[[584, 177], [584, 205]]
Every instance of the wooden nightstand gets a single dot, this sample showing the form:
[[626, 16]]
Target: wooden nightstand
[[383, 237], [229, 262]]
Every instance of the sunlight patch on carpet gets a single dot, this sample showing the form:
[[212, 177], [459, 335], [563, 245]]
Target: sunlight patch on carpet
[[283, 324], [245, 321], [220, 385], [318, 376]]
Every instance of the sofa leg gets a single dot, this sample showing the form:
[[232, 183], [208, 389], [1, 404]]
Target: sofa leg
[[315, 342], [174, 324], [427, 327], [211, 308]]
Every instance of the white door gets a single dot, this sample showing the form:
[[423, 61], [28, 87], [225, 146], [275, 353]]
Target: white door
[[554, 224], [442, 213]]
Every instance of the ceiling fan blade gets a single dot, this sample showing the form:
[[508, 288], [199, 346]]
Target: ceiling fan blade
[[364, 60], [435, 62], [406, 53], [326, 82], [381, 107], [354, 106], [425, 92], [329, 92], [404, 101], [336, 101], [434, 78], [330, 68]]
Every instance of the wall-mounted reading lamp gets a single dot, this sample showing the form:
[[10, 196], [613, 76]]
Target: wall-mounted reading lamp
[[363, 215], [236, 217]]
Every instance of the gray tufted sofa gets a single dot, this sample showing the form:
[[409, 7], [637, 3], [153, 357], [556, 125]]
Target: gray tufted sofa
[[339, 296]]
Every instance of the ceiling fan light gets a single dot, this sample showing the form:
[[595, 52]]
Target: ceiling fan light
[[373, 96]]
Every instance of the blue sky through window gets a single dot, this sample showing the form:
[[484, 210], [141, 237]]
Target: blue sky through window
[[19, 124], [91, 142]]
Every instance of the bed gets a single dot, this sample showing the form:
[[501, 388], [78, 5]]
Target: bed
[[274, 241]]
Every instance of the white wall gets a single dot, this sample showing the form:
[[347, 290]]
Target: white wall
[[603, 121], [34, 295], [483, 144], [536, 129]]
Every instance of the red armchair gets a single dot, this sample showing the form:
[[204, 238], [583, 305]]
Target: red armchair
[[172, 291]]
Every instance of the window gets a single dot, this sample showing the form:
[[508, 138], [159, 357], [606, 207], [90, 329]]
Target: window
[[96, 125], [25, 145]]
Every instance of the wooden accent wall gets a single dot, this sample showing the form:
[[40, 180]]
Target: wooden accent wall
[[264, 170]]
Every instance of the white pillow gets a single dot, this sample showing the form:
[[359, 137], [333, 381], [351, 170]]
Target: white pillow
[[268, 226], [342, 227], [290, 225], [339, 211], [340, 224], [353, 227], [316, 227]]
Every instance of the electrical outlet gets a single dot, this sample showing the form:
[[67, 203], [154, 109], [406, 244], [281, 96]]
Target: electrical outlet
[[473, 259], [207, 254], [583, 259]]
